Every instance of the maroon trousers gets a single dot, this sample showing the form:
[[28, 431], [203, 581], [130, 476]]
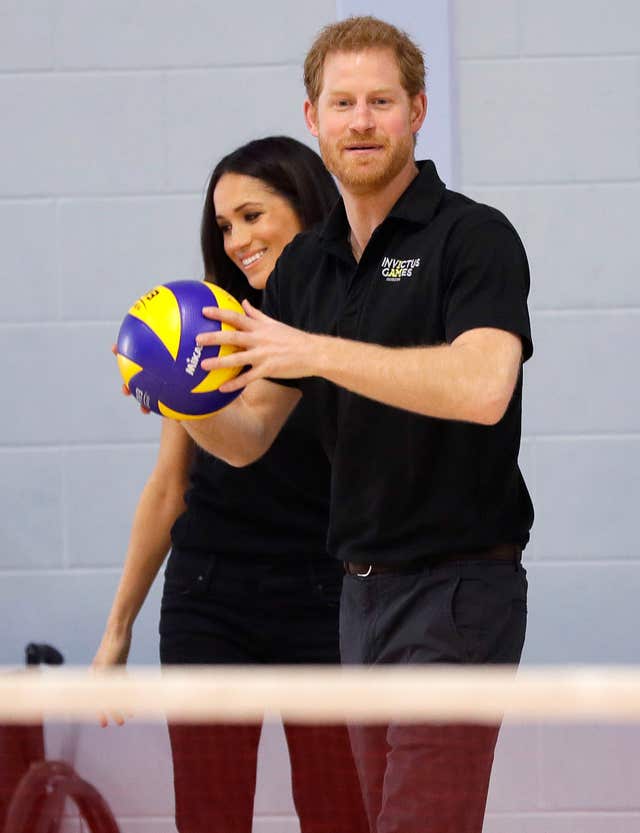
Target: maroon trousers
[[215, 777]]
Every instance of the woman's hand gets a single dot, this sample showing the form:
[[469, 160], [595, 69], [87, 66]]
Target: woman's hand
[[112, 651], [125, 389]]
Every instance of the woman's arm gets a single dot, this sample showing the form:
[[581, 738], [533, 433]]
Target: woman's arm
[[160, 503]]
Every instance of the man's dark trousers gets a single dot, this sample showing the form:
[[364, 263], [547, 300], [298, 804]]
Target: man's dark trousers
[[431, 778]]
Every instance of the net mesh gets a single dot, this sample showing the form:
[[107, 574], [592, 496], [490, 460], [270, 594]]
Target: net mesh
[[321, 750]]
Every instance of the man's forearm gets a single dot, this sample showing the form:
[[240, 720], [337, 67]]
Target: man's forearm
[[243, 431], [470, 380], [230, 434]]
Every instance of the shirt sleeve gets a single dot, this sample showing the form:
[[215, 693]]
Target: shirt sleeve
[[487, 281]]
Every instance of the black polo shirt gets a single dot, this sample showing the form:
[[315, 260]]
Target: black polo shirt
[[406, 486]]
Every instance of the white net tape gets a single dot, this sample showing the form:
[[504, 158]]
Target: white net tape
[[326, 694]]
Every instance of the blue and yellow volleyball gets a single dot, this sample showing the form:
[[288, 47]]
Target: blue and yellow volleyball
[[158, 356]]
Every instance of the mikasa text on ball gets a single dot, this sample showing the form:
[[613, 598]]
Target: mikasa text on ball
[[158, 356]]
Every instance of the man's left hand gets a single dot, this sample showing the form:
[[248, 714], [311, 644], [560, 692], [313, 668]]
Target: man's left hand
[[274, 350]]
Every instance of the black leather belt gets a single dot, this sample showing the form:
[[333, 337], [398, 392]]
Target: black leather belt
[[501, 552]]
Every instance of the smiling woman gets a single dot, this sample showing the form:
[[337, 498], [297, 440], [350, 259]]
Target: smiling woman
[[256, 224], [259, 197], [248, 580]]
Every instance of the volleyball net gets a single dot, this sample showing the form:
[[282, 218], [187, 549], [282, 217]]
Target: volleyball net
[[319, 747]]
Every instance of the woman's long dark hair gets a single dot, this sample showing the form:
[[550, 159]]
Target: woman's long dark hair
[[288, 168]]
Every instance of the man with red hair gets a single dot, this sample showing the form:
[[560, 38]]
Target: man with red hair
[[404, 318]]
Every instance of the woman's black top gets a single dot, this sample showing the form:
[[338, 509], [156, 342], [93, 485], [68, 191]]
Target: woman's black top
[[276, 508]]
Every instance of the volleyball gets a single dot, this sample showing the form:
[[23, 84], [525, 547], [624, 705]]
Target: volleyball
[[158, 356]]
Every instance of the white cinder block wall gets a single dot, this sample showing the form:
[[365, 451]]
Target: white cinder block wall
[[113, 113], [112, 117], [549, 131]]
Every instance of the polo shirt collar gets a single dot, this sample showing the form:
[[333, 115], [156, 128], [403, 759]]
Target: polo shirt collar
[[417, 204], [336, 226]]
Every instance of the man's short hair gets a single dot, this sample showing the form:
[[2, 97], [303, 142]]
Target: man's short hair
[[356, 34]]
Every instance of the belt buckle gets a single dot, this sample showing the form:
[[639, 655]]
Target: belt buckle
[[368, 573]]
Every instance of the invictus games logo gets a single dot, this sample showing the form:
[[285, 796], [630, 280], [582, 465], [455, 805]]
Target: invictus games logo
[[394, 270]]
